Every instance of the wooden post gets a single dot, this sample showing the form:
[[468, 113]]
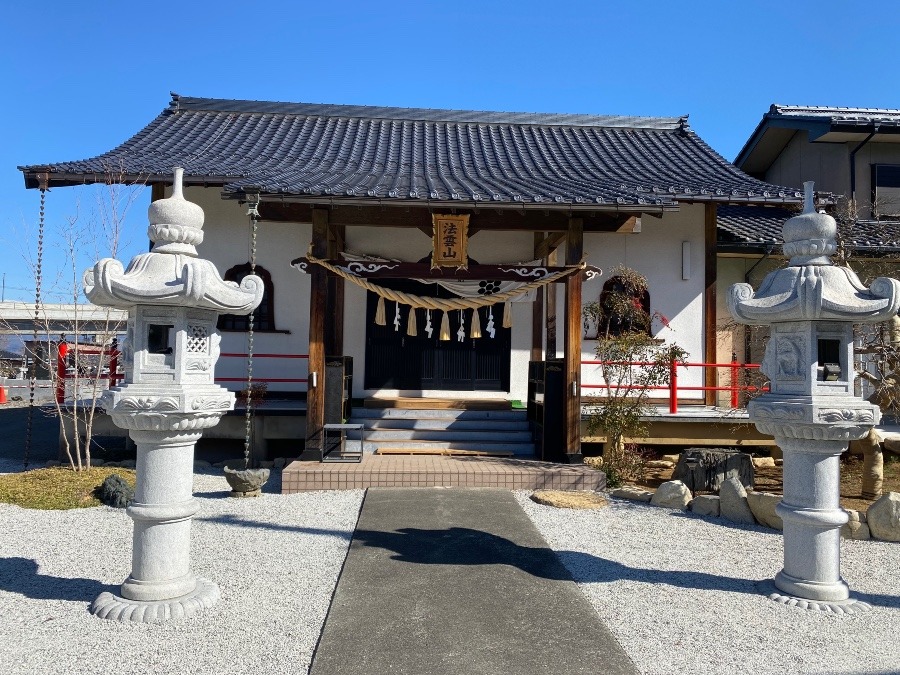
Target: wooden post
[[550, 294], [537, 312], [334, 329], [709, 302], [572, 353], [318, 295]]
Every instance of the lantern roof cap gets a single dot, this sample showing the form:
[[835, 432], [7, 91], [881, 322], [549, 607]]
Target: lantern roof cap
[[171, 274]]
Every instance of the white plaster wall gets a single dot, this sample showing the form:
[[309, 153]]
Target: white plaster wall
[[656, 252], [227, 243]]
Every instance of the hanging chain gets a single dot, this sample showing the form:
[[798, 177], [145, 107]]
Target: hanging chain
[[248, 415], [38, 272]]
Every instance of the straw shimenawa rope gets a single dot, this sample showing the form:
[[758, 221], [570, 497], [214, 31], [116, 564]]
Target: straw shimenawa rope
[[445, 304]]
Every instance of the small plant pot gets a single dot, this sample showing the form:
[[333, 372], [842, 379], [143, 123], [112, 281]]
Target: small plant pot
[[246, 482]]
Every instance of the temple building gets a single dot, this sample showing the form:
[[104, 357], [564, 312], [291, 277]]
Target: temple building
[[371, 219]]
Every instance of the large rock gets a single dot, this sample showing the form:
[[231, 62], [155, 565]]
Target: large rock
[[733, 503], [672, 494], [762, 505], [883, 517], [704, 469], [569, 499], [706, 505], [632, 492], [763, 462], [856, 527]]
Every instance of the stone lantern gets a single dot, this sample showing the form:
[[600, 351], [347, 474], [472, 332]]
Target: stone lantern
[[168, 398], [810, 409]]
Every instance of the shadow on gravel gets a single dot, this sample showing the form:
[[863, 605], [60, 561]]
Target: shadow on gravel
[[465, 546], [588, 568], [724, 522], [256, 524], [20, 575]]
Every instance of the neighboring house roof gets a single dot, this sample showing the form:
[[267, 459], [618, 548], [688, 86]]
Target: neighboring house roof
[[823, 124], [6, 355], [759, 228], [361, 154]]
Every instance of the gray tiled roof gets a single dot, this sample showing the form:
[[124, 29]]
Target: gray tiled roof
[[363, 153], [756, 226], [838, 115]]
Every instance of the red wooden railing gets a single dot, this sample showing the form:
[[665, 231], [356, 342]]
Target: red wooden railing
[[237, 355], [114, 376], [62, 369], [673, 387]]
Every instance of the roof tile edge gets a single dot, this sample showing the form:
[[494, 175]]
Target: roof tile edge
[[180, 104]]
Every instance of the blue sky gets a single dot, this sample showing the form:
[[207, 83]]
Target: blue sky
[[80, 78]]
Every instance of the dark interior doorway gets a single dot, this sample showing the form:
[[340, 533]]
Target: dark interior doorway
[[395, 360]]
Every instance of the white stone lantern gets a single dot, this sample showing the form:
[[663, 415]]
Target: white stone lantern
[[168, 398], [811, 306]]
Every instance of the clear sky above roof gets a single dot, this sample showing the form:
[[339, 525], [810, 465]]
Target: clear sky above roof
[[81, 78]]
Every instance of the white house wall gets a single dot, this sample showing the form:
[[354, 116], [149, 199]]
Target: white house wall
[[656, 252], [227, 243]]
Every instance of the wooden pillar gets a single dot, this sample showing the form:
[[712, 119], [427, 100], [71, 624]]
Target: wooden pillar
[[572, 352], [334, 327], [550, 294], [709, 301], [537, 311], [318, 295]]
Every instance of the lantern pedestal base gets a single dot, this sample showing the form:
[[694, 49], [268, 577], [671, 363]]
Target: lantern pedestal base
[[813, 591], [117, 608], [849, 606]]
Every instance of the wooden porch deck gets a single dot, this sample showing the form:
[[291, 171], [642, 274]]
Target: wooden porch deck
[[438, 471]]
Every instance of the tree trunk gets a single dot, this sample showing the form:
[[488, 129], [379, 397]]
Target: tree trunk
[[873, 464]]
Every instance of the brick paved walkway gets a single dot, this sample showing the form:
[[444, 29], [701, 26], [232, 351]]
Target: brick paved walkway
[[430, 471]]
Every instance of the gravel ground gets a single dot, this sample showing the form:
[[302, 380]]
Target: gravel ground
[[685, 594], [682, 594], [276, 559]]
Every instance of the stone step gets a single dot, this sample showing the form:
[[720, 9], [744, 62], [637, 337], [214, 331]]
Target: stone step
[[445, 435], [443, 424], [466, 415], [518, 449]]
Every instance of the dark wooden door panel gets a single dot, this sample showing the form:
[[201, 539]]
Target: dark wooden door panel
[[395, 360]]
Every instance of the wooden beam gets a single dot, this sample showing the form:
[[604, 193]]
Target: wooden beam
[[537, 308], [709, 300], [543, 245], [630, 225], [404, 270], [420, 218], [157, 191], [572, 352], [318, 296]]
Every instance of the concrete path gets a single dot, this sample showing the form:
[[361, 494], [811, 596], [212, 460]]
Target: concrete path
[[458, 580]]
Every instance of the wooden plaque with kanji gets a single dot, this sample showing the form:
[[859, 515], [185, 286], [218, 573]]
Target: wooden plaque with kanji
[[451, 240]]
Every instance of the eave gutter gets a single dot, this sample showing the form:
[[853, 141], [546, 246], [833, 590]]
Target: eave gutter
[[853, 161]]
